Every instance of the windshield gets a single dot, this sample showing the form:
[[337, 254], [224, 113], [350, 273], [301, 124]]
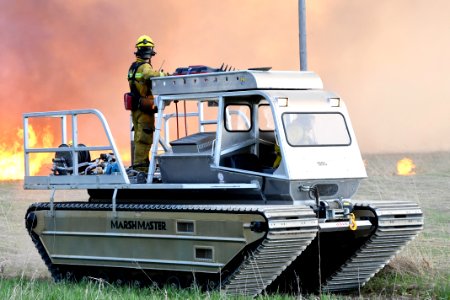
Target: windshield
[[316, 129]]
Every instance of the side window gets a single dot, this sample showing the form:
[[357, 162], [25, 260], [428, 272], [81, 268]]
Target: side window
[[237, 117], [265, 118]]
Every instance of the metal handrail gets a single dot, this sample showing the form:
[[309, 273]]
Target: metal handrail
[[74, 149]]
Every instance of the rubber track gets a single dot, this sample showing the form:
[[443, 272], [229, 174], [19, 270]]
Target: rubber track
[[290, 230], [54, 271], [282, 245], [398, 223]]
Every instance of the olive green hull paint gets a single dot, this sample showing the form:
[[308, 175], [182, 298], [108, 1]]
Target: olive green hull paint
[[244, 249], [91, 238]]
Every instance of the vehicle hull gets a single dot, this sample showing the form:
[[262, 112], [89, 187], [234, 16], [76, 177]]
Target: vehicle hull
[[242, 249]]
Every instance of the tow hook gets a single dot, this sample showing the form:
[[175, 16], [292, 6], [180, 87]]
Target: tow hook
[[348, 207], [352, 222]]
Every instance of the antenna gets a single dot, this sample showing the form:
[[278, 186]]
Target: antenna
[[302, 34], [159, 70]]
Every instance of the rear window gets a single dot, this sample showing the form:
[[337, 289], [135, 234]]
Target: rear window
[[238, 117], [316, 129]]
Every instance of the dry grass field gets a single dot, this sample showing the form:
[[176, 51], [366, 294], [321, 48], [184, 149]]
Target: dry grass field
[[422, 269], [430, 188], [427, 255]]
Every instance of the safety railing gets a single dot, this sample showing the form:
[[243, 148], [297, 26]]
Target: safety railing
[[72, 180], [199, 113]]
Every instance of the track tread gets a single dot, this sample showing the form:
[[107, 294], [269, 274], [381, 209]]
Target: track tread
[[370, 258], [263, 265]]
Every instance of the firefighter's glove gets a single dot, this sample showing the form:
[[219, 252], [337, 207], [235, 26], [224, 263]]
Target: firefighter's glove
[[162, 73]]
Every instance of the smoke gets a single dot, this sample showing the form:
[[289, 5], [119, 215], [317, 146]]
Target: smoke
[[56, 55], [385, 58]]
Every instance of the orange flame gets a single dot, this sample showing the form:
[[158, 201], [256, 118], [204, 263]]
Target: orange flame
[[406, 167], [12, 156]]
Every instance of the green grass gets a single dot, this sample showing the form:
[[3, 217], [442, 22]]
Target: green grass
[[388, 284], [22, 288]]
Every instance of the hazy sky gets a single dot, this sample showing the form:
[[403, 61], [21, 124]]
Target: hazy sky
[[387, 59]]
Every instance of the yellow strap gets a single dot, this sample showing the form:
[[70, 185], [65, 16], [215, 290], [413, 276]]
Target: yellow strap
[[277, 161]]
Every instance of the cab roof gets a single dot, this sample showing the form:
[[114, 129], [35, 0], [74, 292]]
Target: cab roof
[[235, 81]]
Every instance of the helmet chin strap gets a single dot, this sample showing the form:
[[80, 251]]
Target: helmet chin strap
[[145, 53]]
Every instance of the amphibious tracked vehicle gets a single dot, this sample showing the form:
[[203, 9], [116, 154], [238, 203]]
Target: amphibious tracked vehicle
[[254, 197]]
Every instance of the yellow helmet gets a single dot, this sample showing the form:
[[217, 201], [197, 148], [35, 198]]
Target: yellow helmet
[[144, 41]]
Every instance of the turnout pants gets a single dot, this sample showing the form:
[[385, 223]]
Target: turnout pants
[[143, 138]]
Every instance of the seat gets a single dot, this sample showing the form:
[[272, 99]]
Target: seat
[[245, 161]]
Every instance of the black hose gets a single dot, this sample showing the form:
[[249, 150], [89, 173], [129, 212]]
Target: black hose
[[315, 192], [185, 118], [176, 114]]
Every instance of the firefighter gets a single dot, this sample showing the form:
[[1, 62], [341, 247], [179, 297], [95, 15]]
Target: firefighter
[[143, 108]]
